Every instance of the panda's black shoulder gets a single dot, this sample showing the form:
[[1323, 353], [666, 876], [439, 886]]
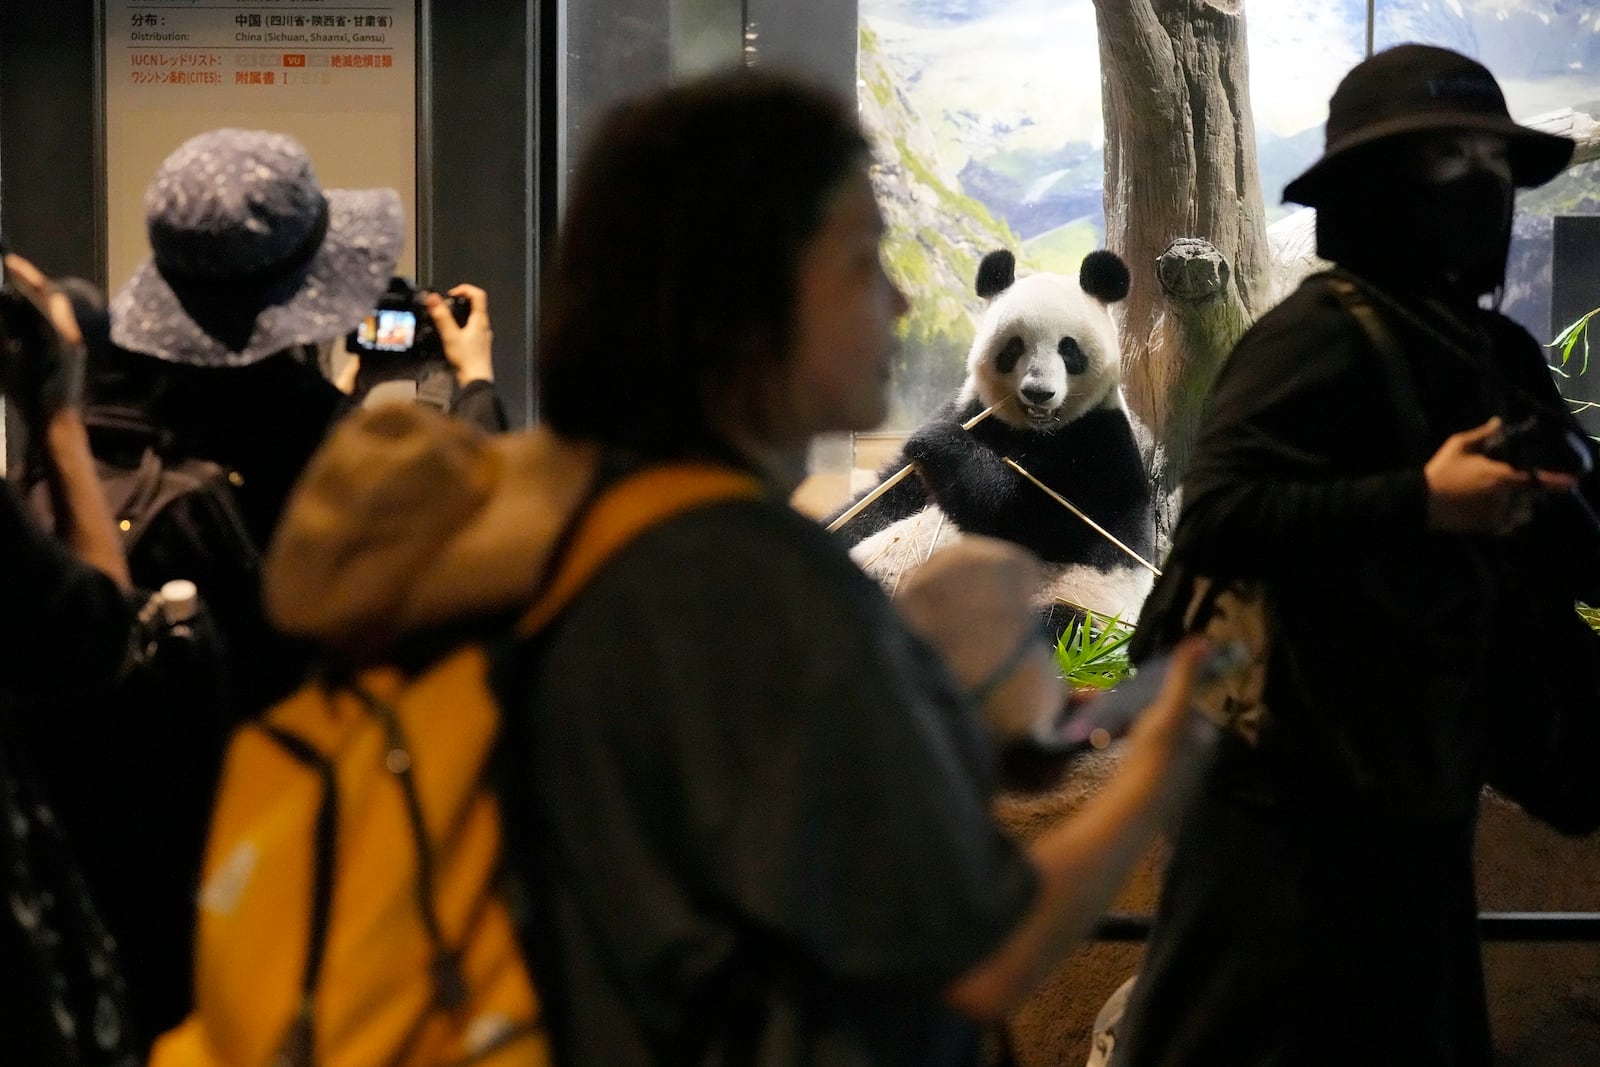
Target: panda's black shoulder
[[1101, 421], [949, 416], [958, 409]]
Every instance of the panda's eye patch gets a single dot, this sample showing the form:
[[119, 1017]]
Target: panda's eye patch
[[1009, 354], [1073, 356]]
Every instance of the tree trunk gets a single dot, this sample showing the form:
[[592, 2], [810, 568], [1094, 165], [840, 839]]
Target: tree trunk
[[1578, 125], [1183, 204]]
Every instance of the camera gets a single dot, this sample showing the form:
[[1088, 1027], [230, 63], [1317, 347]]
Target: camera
[[401, 327], [398, 342], [23, 324], [39, 371], [1539, 442]]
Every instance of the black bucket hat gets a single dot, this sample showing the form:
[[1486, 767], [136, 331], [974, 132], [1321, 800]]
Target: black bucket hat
[[1414, 87]]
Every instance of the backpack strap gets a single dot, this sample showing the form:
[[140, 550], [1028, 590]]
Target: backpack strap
[[1171, 610], [297, 1049], [620, 511], [127, 420], [1393, 366], [623, 502], [449, 983]]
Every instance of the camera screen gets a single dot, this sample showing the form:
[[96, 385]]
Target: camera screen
[[388, 330]]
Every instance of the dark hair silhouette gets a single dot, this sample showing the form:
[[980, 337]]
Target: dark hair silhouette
[[678, 260]]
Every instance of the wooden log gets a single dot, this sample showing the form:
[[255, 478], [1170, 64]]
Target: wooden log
[[1578, 125]]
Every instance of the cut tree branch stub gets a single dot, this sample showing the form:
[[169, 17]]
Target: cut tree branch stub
[[1192, 271]]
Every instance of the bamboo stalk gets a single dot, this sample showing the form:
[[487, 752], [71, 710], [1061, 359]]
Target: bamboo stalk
[[1070, 506], [933, 542], [1084, 609], [876, 556], [900, 475]]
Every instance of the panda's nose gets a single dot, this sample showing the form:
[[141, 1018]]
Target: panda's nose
[[1037, 396]]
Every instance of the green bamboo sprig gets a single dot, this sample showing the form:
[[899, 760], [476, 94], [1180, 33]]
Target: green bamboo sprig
[[1093, 653], [1570, 337]]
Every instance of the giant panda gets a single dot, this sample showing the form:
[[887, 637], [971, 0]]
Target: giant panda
[[1046, 355]]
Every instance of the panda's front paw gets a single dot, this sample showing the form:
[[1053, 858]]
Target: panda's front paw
[[940, 455], [937, 445]]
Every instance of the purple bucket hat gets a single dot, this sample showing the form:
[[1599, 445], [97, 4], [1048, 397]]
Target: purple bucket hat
[[251, 256]]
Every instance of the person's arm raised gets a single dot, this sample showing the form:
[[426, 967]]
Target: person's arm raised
[[1083, 862], [470, 348], [83, 518]]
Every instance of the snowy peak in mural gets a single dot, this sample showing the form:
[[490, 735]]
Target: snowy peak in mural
[[939, 12], [1517, 39]]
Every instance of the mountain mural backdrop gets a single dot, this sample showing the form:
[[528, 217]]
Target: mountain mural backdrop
[[988, 119]]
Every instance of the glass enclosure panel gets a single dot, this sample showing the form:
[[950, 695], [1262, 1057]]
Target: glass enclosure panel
[[606, 51], [988, 123], [611, 49], [988, 119]]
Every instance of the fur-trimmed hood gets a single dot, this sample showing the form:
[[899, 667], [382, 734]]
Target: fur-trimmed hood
[[407, 520]]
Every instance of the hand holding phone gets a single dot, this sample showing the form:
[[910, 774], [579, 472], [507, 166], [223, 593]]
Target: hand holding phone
[[1101, 719], [1036, 761]]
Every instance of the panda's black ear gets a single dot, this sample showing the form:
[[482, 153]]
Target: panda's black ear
[[996, 273], [1104, 276]]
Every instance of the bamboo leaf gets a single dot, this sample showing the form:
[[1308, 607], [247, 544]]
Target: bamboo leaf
[[1569, 338], [1092, 652]]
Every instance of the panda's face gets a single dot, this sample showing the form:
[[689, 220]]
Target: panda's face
[[1046, 353]]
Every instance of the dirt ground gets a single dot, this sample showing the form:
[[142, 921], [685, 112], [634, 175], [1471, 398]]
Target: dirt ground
[[1544, 998]]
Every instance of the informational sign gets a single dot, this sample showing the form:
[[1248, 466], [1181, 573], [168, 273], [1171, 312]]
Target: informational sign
[[340, 79]]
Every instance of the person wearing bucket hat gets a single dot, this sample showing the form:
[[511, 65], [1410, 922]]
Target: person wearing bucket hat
[[1354, 466], [214, 341], [214, 344], [253, 266], [1404, 192], [212, 353]]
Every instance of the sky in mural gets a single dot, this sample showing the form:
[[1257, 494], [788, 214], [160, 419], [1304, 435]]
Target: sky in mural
[[1013, 85]]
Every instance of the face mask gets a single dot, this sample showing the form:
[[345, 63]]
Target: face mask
[[1462, 229]]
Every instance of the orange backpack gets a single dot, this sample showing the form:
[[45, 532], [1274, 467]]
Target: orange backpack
[[351, 912]]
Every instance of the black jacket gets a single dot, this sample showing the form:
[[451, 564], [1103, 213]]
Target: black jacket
[[1320, 905], [134, 790], [64, 630]]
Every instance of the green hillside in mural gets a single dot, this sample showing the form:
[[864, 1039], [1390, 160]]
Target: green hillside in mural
[[937, 233], [1062, 249]]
